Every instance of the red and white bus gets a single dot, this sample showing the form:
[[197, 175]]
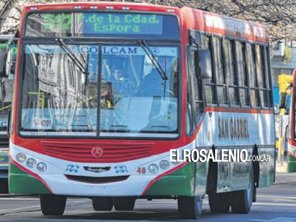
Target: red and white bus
[[292, 132], [105, 90]]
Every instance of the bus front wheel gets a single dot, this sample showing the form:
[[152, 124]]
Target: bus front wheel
[[52, 204], [102, 203], [190, 207], [124, 203], [241, 201]]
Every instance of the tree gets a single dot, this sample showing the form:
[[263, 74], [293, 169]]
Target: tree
[[278, 15]]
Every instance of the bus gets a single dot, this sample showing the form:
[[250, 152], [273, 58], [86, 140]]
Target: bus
[[105, 91], [282, 116], [291, 154], [7, 54]]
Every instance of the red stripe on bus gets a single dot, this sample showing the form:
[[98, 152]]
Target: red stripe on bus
[[162, 175], [32, 174], [237, 110]]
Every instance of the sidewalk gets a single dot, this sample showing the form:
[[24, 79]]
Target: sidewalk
[[285, 178]]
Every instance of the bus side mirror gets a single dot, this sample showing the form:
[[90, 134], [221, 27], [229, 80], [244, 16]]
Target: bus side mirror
[[205, 64], [10, 64], [283, 98], [2, 61]]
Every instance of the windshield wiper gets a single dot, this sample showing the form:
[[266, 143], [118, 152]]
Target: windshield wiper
[[153, 59], [72, 56]]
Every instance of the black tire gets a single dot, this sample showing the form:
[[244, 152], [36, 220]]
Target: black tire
[[255, 194], [241, 201], [219, 202], [124, 203], [189, 207], [52, 204], [102, 203]]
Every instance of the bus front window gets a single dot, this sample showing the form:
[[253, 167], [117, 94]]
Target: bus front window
[[120, 93], [142, 101]]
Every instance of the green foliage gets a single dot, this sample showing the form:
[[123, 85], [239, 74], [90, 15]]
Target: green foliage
[[287, 54]]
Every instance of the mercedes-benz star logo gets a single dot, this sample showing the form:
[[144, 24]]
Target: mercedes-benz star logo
[[155, 50], [97, 152]]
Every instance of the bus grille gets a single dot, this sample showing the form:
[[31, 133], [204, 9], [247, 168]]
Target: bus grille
[[86, 152], [97, 180]]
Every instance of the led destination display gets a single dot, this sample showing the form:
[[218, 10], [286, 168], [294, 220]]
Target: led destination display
[[96, 24]]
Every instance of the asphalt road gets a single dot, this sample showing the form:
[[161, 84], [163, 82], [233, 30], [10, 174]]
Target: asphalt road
[[274, 204]]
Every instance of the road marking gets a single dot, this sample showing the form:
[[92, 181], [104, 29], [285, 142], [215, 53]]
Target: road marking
[[15, 210], [277, 219], [276, 204], [34, 207], [18, 199], [275, 196]]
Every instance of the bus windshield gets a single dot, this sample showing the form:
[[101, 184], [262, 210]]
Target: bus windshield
[[99, 90]]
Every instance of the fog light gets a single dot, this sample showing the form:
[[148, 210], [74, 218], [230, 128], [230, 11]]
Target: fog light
[[42, 167], [21, 157], [164, 164], [31, 162], [153, 168]]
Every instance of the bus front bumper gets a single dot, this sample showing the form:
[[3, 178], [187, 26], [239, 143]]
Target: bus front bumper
[[130, 178]]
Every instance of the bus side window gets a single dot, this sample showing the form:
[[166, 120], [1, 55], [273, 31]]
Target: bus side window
[[262, 75], [267, 78], [241, 73], [231, 78], [194, 98], [209, 86], [253, 84], [219, 71]]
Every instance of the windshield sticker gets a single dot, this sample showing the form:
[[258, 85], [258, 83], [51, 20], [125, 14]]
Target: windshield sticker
[[42, 123]]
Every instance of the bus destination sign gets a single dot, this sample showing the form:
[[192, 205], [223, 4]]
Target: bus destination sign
[[119, 23], [89, 24]]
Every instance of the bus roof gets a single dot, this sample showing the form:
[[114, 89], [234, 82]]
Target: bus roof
[[222, 25], [192, 18], [123, 6]]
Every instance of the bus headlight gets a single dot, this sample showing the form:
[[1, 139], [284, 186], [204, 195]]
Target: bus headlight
[[42, 167], [21, 157], [164, 164], [153, 168], [31, 163]]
